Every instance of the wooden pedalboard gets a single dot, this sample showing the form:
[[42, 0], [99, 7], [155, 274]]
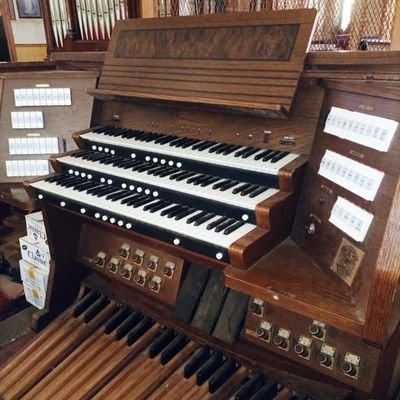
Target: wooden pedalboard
[[156, 273]]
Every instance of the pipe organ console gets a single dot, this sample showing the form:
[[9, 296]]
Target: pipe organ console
[[189, 257]]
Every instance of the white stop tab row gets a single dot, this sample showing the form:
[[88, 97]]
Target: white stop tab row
[[367, 130], [30, 97], [27, 168], [27, 120], [35, 145]]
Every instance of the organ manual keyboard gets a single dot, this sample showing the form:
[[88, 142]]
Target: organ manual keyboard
[[197, 263]]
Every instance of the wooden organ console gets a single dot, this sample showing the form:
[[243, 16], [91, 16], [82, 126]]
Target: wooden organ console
[[204, 266]]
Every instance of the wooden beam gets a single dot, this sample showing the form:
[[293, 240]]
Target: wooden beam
[[148, 8], [395, 39]]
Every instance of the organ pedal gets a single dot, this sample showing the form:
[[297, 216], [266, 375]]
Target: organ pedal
[[101, 349]]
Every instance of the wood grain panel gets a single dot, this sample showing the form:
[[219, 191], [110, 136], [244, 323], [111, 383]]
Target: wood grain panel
[[144, 59]]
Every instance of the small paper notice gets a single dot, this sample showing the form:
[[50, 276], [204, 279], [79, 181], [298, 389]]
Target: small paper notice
[[358, 178], [367, 130], [351, 219]]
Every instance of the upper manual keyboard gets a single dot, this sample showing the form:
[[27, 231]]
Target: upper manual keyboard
[[157, 145]]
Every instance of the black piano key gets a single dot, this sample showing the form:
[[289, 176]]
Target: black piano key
[[262, 154], [198, 144], [160, 138], [222, 148], [183, 142], [52, 178], [96, 189], [175, 142], [133, 319], [128, 164], [160, 171], [247, 154], [132, 201], [197, 360], [167, 172], [177, 175], [248, 190], [139, 330], [144, 168], [208, 368], [279, 156], [201, 180], [112, 160], [81, 153], [185, 213], [116, 319], [166, 139], [209, 181], [203, 219], [173, 348], [177, 211], [270, 156], [231, 149], [195, 178], [258, 191], [226, 370], [205, 145], [85, 302], [141, 202], [196, 217], [161, 342], [138, 166], [139, 134], [147, 137], [84, 186], [242, 151], [106, 191], [217, 147], [129, 198], [73, 182], [188, 174], [233, 227], [95, 308], [170, 209], [190, 143], [156, 169], [250, 387], [67, 180], [159, 207], [224, 225], [221, 183], [117, 195], [213, 224], [120, 163], [267, 392], [228, 185], [150, 206], [240, 188]]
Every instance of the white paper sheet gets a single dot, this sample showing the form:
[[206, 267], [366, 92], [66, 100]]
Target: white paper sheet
[[356, 177], [351, 219], [367, 130]]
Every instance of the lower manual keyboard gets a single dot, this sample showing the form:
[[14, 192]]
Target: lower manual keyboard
[[193, 229]]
